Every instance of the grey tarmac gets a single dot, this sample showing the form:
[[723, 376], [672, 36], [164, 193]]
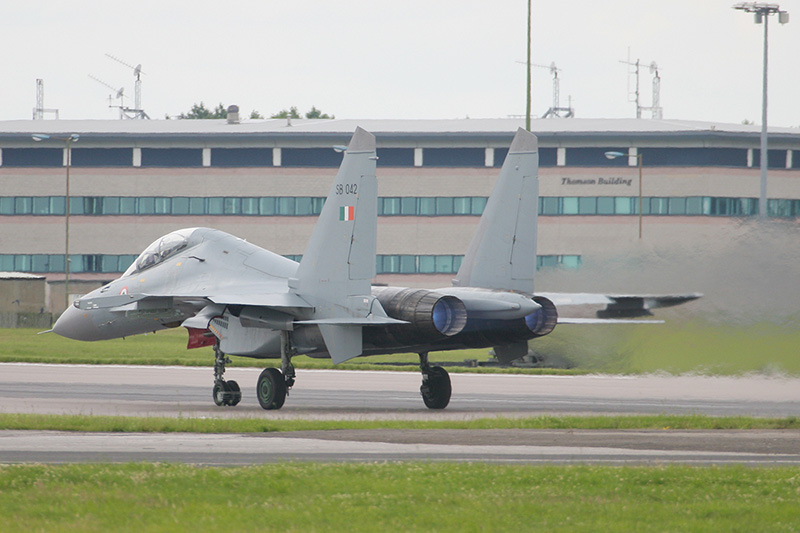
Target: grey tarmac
[[367, 395]]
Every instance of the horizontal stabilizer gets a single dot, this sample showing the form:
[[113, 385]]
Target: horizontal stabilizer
[[566, 320]]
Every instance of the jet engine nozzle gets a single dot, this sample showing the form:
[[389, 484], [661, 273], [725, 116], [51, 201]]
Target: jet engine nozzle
[[542, 321], [430, 315]]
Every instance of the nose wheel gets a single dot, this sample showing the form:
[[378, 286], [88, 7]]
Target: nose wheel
[[225, 393]]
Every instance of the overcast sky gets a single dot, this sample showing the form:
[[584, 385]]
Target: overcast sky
[[409, 59]]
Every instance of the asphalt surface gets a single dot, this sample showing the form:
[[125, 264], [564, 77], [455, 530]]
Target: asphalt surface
[[186, 392]]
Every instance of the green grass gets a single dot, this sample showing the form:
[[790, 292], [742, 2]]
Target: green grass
[[257, 425], [703, 348], [397, 497]]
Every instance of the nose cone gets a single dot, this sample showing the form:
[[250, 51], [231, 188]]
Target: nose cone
[[76, 324]]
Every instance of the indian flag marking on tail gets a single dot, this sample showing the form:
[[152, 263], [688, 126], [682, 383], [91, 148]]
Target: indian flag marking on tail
[[347, 212]]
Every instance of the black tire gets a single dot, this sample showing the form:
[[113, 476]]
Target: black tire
[[235, 393], [271, 389], [436, 389], [220, 394]]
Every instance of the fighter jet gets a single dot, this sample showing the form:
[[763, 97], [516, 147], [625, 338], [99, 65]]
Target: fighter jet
[[246, 301]]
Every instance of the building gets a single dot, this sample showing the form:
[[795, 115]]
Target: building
[[265, 180]]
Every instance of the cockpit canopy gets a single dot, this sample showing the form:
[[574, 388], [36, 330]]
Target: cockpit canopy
[[161, 249]]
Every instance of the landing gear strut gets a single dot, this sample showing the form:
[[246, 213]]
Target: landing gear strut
[[273, 384], [436, 388], [225, 392]]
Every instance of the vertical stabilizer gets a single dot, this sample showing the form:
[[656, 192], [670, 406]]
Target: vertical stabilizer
[[338, 265], [502, 254]]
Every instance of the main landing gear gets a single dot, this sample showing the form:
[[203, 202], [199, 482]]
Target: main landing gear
[[273, 384], [225, 392], [436, 388]]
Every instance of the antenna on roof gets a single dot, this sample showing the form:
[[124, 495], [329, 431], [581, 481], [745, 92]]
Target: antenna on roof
[[39, 110], [555, 110], [120, 95], [137, 111], [655, 108]]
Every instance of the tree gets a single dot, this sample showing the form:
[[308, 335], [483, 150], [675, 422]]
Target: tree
[[316, 113], [199, 111], [291, 113], [255, 114]]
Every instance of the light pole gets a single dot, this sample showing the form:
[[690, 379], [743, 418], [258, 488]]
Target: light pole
[[762, 13], [638, 156], [68, 140]]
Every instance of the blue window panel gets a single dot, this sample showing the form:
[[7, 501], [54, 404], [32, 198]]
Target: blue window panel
[[23, 205], [677, 206], [111, 205], [286, 206], [444, 264], [127, 205], [408, 264], [605, 205], [462, 206], [549, 205], [180, 205], [454, 157], [241, 157], [6, 262], [595, 157], [249, 206], [444, 205], [172, 157], [266, 205], [310, 157], [389, 206], [102, 157], [427, 206], [395, 157], [694, 157], [796, 159], [147, 205], [7, 205], [775, 158], [41, 205], [303, 207], [215, 205], [427, 264], [197, 206], [587, 205], [569, 206], [408, 205], [163, 206], [57, 204], [694, 205], [33, 157]]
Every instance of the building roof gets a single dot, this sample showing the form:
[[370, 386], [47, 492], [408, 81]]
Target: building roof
[[19, 275]]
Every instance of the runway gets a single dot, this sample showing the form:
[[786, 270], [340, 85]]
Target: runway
[[334, 394], [323, 394]]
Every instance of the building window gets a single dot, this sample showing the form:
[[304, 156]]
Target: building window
[[454, 157]]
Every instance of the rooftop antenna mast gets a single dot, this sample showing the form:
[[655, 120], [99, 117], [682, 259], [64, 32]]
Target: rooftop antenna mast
[[137, 112], [120, 95], [556, 109], [657, 111], [39, 110]]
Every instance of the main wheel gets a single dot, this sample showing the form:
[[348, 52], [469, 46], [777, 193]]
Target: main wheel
[[234, 393], [271, 389], [436, 389], [220, 394]]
